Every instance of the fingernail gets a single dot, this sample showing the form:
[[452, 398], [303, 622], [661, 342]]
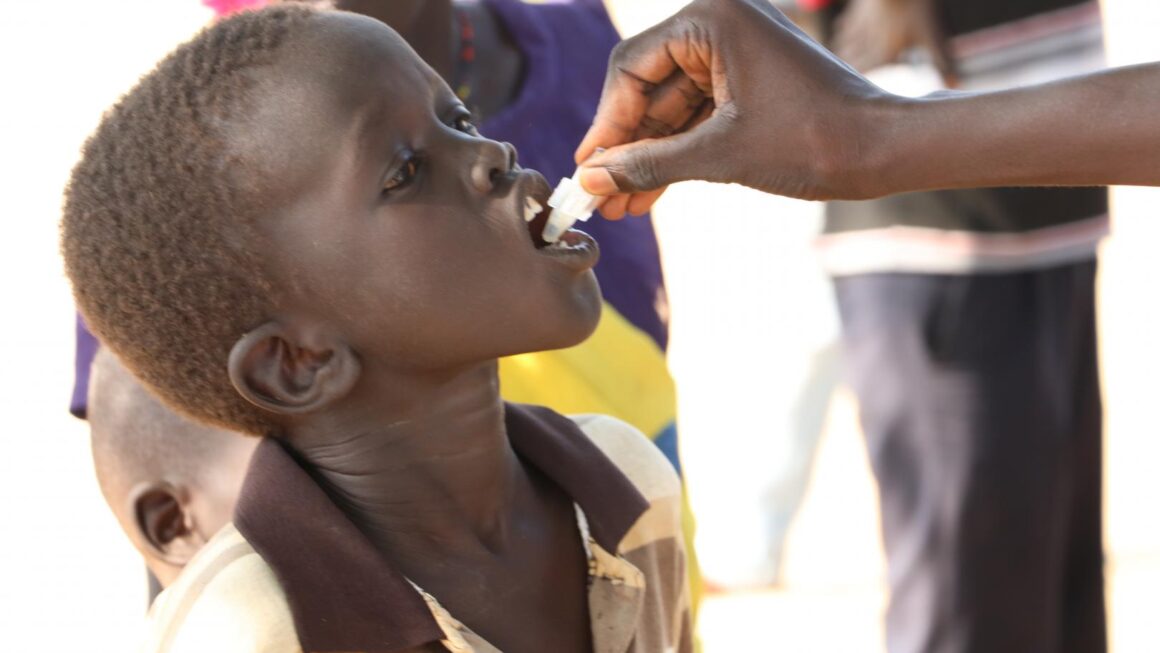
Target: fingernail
[[597, 181]]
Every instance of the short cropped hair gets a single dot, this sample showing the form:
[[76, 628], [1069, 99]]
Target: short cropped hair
[[159, 220]]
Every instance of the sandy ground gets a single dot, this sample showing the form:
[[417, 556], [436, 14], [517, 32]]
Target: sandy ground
[[70, 582]]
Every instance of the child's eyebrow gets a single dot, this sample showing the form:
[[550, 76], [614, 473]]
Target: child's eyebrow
[[442, 97]]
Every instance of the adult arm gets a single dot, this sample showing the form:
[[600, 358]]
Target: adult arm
[[732, 91], [1094, 130]]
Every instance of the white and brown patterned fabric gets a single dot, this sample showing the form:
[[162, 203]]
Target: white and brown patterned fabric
[[292, 574]]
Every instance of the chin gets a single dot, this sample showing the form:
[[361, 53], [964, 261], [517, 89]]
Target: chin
[[581, 329], [575, 317], [588, 306]]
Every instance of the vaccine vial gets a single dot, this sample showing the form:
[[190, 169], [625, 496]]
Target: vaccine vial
[[570, 204]]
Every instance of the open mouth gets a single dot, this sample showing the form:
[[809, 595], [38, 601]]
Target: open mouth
[[572, 245]]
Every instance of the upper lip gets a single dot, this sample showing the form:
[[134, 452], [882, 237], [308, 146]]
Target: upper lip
[[532, 184]]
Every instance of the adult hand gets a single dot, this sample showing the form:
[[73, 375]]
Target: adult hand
[[732, 91], [872, 33], [740, 94]]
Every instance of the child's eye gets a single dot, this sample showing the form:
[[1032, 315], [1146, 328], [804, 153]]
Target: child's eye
[[404, 176], [463, 123]]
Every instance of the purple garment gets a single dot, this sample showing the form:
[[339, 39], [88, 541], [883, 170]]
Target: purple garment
[[86, 350], [566, 47]]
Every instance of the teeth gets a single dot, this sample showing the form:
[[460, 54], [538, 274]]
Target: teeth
[[532, 208]]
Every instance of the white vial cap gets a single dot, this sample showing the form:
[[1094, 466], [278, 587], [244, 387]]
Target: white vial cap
[[570, 203]]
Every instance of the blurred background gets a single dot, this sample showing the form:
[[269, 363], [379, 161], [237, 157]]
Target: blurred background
[[751, 317]]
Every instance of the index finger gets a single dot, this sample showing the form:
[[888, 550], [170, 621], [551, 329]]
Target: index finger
[[636, 68]]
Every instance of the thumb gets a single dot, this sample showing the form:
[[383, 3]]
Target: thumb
[[654, 163]]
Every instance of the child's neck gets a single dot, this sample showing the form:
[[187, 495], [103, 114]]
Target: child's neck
[[423, 466]]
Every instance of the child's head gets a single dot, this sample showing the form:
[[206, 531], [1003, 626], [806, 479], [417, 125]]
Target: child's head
[[170, 482], [293, 201]]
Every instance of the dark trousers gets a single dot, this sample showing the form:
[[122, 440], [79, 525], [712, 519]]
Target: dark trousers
[[980, 403]]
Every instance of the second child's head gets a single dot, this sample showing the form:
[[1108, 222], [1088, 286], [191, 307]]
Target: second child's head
[[293, 203], [171, 483]]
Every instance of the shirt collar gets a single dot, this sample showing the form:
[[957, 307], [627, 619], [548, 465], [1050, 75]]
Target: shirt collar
[[343, 595]]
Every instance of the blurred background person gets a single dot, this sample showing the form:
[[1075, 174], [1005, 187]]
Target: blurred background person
[[968, 322], [756, 358]]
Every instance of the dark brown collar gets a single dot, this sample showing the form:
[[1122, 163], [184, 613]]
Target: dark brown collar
[[343, 595]]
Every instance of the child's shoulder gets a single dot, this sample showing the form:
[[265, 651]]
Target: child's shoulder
[[636, 456], [226, 600]]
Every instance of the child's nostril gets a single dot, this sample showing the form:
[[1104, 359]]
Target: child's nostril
[[494, 174]]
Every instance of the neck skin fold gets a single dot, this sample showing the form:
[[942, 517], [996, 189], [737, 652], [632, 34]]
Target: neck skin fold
[[423, 467]]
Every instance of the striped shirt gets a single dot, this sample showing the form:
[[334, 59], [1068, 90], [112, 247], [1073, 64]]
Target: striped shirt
[[293, 574], [997, 44]]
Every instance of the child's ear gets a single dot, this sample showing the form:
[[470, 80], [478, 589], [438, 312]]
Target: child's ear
[[291, 373], [165, 524]]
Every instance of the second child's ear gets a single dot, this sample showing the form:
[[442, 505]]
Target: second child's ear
[[292, 372], [165, 524]]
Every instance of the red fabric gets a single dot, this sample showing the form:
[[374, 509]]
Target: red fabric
[[227, 7], [814, 5]]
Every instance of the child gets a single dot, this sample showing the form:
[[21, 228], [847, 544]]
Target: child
[[532, 75], [290, 228], [171, 483]]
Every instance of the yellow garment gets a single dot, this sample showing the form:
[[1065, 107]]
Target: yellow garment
[[619, 371]]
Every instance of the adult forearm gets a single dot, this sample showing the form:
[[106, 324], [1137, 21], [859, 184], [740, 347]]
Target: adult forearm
[[1093, 130]]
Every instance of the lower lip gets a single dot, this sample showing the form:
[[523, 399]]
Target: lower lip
[[580, 251]]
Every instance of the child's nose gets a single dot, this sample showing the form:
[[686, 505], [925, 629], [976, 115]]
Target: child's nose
[[494, 161]]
